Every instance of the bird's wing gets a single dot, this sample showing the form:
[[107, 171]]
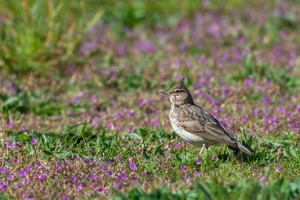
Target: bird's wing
[[198, 121]]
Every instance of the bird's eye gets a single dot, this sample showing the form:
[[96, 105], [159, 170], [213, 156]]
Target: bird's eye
[[177, 91]]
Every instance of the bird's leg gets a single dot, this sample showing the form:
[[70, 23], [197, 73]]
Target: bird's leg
[[202, 149]]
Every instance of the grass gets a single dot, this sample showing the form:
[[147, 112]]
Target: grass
[[149, 158], [31, 39], [81, 115]]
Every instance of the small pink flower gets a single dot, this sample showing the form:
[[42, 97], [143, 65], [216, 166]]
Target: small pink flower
[[77, 158], [73, 178], [182, 167], [2, 170], [101, 189], [245, 118], [198, 161], [9, 144], [34, 141], [263, 180], [132, 166], [197, 173], [144, 174], [2, 185], [279, 169], [10, 123], [119, 158], [79, 185], [42, 177]]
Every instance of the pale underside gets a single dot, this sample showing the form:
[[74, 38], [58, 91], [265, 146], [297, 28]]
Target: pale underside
[[198, 127], [191, 138]]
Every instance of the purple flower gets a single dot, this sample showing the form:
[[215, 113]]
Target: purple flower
[[279, 150], [79, 185], [101, 189], [119, 159], [94, 178], [197, 173], [21, 173], [95, 121], [16, 160], [281, 111], [109, 163], [70, 68], [38, 164], [198, 161], [120, 128], [65, 198], [162, 165], [9, 176], [212, 157], [58, 167], [9, 144], [2, 170], [245, 118], [177, 144], [108, 173], [24, 181], [132, 166], [291, 62], [34, 141], [42, 177], [135, 181], [10, 123], [130, 130], [255, 112], [2, 185], [263, 180], [80, 94], [266, 100], [73, 178], [288, 117], [121, 50], [124, 176], [298, 108], [29, 167], [144, 174], [182, 167], [240, 39], [279, 169]]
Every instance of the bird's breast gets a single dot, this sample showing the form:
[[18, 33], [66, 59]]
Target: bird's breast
[[190, 137]]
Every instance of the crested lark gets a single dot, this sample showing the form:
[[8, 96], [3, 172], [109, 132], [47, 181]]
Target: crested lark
[[194, 124]]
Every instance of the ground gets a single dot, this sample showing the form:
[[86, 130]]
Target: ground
[[82, 115]]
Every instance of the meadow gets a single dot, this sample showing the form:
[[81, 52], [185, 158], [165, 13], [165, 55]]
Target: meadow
[[82, 117]]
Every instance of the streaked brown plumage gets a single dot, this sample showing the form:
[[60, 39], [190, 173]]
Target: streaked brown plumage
[[194, 124]]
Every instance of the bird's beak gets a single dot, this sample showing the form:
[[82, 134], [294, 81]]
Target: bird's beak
[[165, 93]]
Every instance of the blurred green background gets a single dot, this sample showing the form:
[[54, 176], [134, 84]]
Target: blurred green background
[[39, 36]]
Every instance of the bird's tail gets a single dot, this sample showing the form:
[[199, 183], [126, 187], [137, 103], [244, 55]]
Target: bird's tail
[[244, 149]]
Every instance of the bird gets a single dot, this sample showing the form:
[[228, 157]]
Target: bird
[[195, 124]]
